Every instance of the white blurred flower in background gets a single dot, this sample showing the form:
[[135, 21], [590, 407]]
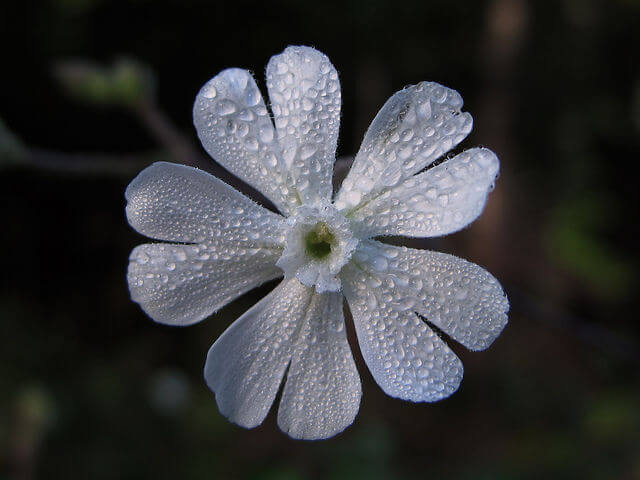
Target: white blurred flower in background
[[324, 246]]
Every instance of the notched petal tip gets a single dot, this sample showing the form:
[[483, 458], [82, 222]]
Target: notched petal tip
[[415, 127], [150, 277], [304, 90], [439, 201], [156, 169], [487, 160], [235, 128], [238, 409], [240, 413], [498, 321], [298, 57], [430, 385], [313, 432], [322, 392], [246, 364], [136, 193], [235, 85], [406, 357]]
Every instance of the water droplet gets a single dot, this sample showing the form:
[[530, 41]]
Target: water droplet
[[209, 91], [252, 97], [251, 144], [226, 107], [289, 154], [246, 115], [325, 67], [307, 104], [270, 159], [407, 135], [243, 129], [307, 150], [379, 263], [266, 134], [372, 303]]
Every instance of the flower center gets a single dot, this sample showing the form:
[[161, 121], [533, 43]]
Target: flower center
[[319, 240], [318, 243]]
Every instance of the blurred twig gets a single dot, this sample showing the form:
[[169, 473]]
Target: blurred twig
[[11, 148], [167, 134], [15, 155], [131, 85], [127, 84], [90, 163]]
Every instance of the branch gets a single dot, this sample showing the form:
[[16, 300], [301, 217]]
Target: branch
[[167, 134], [92, 164]]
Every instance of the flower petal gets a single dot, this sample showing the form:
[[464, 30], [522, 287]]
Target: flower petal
[[459, 297], [305, 97], [172, 202], [245, 366], [406, 357], [183, 284], [322, 393], [235, 128], [441, 200], [416, 126]]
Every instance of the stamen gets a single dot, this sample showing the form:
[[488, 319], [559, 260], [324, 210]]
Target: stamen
[[318, 242]]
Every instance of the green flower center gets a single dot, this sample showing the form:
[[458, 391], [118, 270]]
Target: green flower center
[[318, 241]]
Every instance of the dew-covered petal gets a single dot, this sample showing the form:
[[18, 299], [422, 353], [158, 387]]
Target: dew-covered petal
[[441, 200], [235, 128], [183, 284], [322, 393], [245, 366], [405, 356], [416, 126], [176, 203], [304, 91], [459, 297]]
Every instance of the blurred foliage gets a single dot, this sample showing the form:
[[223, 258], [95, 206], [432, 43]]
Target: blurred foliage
[[613, 416], [574, 243], [126, 82], [91, 388]]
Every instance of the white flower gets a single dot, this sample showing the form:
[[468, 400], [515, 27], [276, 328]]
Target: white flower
[[225, 244]]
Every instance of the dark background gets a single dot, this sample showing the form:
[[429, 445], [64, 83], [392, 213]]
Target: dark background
[[94, 90]]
